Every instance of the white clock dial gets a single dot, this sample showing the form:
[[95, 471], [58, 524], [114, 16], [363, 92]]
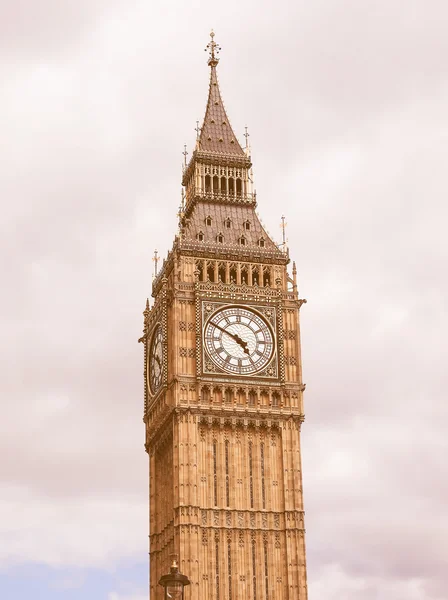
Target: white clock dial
[[155, 360], [238, 340]]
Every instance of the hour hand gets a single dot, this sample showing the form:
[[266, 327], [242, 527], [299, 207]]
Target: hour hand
[[241, 342], [234, 336]]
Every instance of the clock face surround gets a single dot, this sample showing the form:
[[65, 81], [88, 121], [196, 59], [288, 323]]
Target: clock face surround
[[155, 360], [238, 340]]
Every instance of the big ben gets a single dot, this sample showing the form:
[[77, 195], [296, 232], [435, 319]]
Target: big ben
[[223, 387]]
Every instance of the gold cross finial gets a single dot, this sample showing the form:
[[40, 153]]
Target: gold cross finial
[[213, 50]]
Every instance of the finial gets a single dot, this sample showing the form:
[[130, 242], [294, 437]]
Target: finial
[[247, 148], [283, 225], [213, 50], [156, 259], [246, 135], [181, 212], [294, 277], [185, 153], [198, 130]]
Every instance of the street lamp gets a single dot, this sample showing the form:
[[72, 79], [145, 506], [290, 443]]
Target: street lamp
[[174, 583]]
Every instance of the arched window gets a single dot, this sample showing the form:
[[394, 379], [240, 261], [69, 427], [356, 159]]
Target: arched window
[[232, 274], [246, 225], [238, 187], [210, 272], [255, 276], [266, 278], [223, 185], [275, 399], [208, 183], [206, 394], [264, 398], [216, 184], [242, 240], [220, 238], [208, 221], [244, 274], [261, 242], [200, 236], [231, 186], [222, 273], [252, 398], [228, 223], [228, 394], [217, 394], [200, 268]]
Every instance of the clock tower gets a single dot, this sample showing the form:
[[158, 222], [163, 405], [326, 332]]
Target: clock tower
[[223, 387]]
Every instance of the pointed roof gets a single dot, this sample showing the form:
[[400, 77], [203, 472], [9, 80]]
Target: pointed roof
[[217, 135]]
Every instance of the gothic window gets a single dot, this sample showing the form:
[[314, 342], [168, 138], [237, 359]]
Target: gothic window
[[200, 268], [216, 184], [210, 272], [244, 274], [223, 185], [227, 473], [208, 183], [241, 396], [231, 186], [227, 223], [206, 394], [229, 567], [266, 278], [228, 395], [263, 489], [266, 577], [254, 575], [255, 276], [261, 242], [264, 398], [246, 225], [217, 393], [242, 240], [251, 481], [275, 399], [238, 187], [232, 274], [200, 236], [222, 272], [252, 398], [208, 221], [215, 472], [220, 238]]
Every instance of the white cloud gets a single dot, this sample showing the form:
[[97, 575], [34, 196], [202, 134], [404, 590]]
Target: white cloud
[[346, 107]]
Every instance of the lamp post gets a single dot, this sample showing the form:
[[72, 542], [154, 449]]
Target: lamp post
[[174, 583]]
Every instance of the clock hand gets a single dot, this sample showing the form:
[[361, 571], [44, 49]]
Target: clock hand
[[235, 336]]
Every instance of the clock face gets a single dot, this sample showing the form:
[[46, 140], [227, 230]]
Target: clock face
[[238, 340], [155, 361]]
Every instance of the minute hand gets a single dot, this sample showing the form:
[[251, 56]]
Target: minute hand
[[235, 336]]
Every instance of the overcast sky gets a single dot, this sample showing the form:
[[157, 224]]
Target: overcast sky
[[346, 103]]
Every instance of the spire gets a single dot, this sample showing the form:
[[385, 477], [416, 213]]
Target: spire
[[216, 134]]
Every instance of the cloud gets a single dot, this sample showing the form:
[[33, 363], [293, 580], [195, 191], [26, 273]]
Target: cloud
[[346, 107]]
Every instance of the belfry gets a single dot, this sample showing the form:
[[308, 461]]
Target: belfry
[[223, 387]]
